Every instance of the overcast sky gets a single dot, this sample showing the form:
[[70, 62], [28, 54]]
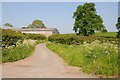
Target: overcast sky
[[55, 14]]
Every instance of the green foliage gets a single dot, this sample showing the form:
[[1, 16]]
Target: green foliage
[[74, 39], [0, 34], [0, 55], [38, 24], [10, 38], [95, 57], [17, 53], [106, 34], [35, 36], [104, 30], [8, 25], [40, 41], [17, 45], [35, 24], [118, 27], [86, 20]]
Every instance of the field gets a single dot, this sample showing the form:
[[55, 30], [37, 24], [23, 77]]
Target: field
[[106, 34]]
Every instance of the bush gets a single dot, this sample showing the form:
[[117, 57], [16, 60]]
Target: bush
[[10, 37], [35, 36], [74, 39]]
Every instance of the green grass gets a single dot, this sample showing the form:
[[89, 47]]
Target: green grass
[[106, 34], [101, 59], [17, 53]]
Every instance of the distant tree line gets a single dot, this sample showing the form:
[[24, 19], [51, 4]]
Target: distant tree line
[[8, 25]]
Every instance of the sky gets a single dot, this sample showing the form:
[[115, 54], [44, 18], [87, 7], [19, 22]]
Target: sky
[[119, 9], [55, 14]]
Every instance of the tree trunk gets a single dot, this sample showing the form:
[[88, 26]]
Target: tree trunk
[[118, 35], [85, 32]]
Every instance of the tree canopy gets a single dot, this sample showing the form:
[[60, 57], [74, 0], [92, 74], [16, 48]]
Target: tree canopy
[[8, 25], [118, 27], [86, 20], [104, 30], [35, 24]]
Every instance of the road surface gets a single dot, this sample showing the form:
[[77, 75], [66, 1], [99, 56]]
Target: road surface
[[43, 63]]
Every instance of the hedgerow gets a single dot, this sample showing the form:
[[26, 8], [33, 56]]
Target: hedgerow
[[10, 37], [35, 36], [74, 39]]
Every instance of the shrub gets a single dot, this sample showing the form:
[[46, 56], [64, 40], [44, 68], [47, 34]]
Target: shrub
[[10, 37], [35, 36]]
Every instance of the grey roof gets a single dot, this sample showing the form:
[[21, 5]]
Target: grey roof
[[40, 29]]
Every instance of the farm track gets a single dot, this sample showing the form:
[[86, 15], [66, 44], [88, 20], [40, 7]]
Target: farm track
[[43, 63]]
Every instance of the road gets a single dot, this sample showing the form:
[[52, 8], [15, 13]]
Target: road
[[43, 63]]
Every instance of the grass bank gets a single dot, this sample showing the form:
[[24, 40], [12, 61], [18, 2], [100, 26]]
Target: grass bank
[[17, 53], [98, 58]]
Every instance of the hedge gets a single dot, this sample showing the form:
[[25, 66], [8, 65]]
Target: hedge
[[10, 37], [75, 39], [35, 36]]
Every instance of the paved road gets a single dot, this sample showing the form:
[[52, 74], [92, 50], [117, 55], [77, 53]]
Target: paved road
[[42, 64]]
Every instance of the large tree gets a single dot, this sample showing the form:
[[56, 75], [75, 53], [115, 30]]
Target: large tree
[[118, 27], [8, 25], [86, 20]]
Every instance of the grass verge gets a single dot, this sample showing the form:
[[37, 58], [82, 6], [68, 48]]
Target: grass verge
[[98, 58], [17, 53]]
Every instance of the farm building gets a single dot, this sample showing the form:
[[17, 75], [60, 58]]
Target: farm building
[[44, 31]]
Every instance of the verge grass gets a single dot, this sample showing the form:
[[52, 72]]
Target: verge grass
[[17, 53], [95, 57]]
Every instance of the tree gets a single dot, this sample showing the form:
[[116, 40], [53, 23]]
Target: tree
[[104, 30], [31, 26], [8, 25], [38, 24], [86, 20], [118, 27]]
